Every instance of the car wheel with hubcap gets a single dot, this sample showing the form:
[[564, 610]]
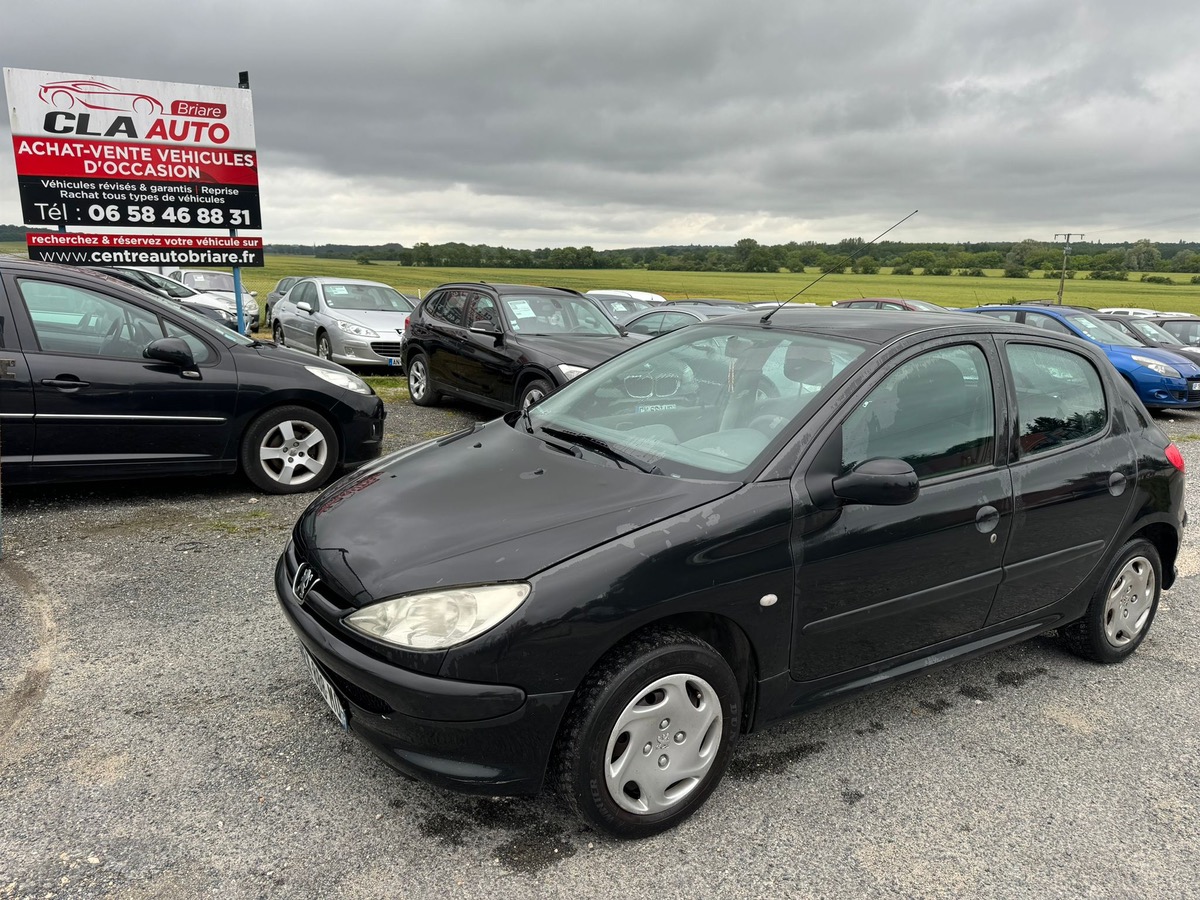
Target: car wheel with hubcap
[[277, 334], [649, 734], [289, 450], [534, 392], [324, 348], [420, 388], [1122, 608]]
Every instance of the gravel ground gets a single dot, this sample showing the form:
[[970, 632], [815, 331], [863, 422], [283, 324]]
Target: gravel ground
[[159, 738]]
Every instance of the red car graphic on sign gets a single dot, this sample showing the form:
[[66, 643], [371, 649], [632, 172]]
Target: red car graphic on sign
[[97, 95]]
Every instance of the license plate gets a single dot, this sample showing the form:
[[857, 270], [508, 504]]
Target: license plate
[[1195, 386], [331, 698], [393, 361]]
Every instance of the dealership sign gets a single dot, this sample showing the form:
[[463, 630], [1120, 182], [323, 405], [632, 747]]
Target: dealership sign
[[79, 249], [118, 152]]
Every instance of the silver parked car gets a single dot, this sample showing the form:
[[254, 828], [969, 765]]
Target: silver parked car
[[346, 320]]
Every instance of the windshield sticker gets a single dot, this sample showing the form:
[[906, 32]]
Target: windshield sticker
[[521, 309], [337, 290]]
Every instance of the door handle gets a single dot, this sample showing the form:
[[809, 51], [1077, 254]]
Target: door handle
[[987, 519], [65, 384]]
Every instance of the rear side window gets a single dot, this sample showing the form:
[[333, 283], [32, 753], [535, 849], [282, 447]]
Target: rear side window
[[1060, 399], [1046, 323], [935, 412], [448, 306]]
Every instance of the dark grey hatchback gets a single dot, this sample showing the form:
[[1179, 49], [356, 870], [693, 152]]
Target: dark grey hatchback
[[602, 592]]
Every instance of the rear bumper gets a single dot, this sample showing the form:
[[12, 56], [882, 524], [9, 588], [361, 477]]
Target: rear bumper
[[478, 738]]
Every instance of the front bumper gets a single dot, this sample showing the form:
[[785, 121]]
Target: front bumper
[[375, 352], [478, 738], [1161, 392]]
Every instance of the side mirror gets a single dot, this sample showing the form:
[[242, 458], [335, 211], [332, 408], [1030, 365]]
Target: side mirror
[[254, 293], [878, 482], [174, 351], [304, 306]]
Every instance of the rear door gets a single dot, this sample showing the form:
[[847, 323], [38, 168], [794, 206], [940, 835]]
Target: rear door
[[16, 395], [877, 582], [1072, 463], [443, 338]]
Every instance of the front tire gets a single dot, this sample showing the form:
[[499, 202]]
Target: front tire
[[649, 734], [1122, 608], [420, 388], [277, 334], [534, 392], [324, 348], [289, 450]]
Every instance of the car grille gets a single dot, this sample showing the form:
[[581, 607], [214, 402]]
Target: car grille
[[1193, 393], [386, 348]]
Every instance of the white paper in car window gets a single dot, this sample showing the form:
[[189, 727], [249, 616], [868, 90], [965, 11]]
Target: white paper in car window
[[521, 309], [336, 290]]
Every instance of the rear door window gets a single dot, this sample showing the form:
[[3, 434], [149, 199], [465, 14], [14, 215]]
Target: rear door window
[[1060, 397]]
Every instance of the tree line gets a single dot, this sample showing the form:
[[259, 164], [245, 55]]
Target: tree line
[[1017, 259]]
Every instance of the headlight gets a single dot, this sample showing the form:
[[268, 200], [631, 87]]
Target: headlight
[[360, 330], [341, 379], [438, 619], [569, 372], [1154, 365]]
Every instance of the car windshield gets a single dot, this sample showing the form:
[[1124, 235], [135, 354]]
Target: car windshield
[[1154, 332], [1101, 332], [622, 306], [923, 305], [555, 314], [208, 281], [166, 285], [704, 401], [365, 296]]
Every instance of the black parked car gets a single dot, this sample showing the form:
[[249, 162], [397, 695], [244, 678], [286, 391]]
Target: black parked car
[[102, 380], [600, 593], [504, 345], [1150, 334]]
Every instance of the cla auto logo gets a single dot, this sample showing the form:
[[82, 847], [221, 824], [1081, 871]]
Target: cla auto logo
[[303, 582]]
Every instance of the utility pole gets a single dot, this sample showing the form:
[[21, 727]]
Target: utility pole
[[1062, 275]]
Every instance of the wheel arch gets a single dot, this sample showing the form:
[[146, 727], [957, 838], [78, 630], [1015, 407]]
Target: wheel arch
[[300, 400], [528, 374], [1166, 541], [723, 634]]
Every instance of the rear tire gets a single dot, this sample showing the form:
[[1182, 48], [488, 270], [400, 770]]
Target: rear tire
[[420, 387], [289, 450], [1122, 608], [649, 734]]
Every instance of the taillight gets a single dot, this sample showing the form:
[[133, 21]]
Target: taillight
[[406, 323], [1174, 457]]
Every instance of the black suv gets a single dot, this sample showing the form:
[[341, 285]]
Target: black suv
[[504, 345]]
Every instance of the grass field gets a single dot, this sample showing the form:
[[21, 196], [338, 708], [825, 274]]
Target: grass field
[[953, 290]]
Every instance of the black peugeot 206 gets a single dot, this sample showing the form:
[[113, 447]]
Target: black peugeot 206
[[721, 528]]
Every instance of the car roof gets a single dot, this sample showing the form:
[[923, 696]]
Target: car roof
[[502, 288], [881, 328], [328, 279]]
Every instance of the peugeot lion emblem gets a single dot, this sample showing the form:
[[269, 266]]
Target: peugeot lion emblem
[[303, 582]]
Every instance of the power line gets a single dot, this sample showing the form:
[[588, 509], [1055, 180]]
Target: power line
[[1062, 275]]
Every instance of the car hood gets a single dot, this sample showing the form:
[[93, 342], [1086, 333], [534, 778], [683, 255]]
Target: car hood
[[381, 320], [573, 349], [494, 504]]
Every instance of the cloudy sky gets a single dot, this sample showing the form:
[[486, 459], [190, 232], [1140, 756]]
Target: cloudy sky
[[543, 123]]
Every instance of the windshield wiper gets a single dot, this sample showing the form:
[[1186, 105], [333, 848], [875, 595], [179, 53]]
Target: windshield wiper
[[602, 447]]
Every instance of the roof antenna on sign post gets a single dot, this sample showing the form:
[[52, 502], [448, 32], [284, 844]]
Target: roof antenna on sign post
[[767, 318]]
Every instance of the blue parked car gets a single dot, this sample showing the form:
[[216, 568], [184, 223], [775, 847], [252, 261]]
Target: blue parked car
[[1162, 379]]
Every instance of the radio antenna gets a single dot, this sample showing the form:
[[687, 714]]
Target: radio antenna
[[767, 318]]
